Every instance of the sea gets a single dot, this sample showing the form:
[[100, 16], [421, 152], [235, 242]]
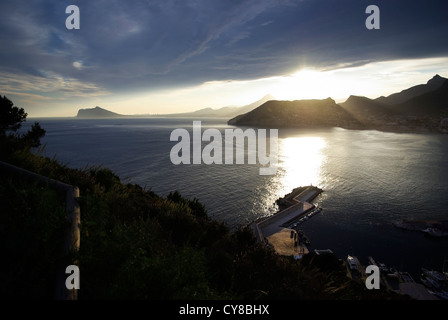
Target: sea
[[370, 179]]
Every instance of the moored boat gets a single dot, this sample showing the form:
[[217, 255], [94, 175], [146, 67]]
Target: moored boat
[[435, 232], [380, 265], [437, 276], [352, 262]]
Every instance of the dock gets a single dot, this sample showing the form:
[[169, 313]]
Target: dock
[[274, 230], [402, 282]]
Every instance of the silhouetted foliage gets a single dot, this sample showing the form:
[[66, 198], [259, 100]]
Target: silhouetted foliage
[[33, 136], [198, 209], [11, 119]]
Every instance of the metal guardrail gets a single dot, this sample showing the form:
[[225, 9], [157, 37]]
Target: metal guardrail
[[72, 233]]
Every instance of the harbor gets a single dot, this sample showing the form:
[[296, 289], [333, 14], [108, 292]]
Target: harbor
[[280, 231], [432, 284]]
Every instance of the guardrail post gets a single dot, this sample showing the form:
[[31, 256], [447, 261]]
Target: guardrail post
[[71, 242]]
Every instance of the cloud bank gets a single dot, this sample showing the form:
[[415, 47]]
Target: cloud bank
[[126, 46]]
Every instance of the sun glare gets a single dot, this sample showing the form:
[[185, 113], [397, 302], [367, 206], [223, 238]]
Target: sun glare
[[299, 85], [312, 84], [300, 160]]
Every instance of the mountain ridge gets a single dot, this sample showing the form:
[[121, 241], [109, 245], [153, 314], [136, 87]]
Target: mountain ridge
[[421, 108], [414, 91], [298, 113]]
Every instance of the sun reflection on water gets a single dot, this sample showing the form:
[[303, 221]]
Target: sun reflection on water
[[300, 162]]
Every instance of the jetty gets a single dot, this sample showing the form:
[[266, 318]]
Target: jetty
[[275, 230]]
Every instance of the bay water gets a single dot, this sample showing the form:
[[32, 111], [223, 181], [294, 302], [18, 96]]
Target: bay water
[[370, 180]]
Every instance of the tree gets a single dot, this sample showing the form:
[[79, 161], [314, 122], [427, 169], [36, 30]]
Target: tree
[[32, 137], [11, 119]]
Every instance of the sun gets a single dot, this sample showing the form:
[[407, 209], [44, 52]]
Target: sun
[[312, 84], [303, 84], [309, 74]]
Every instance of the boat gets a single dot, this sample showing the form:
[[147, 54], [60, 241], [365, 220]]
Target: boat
[[393, 273], [381, 266], [435, 232], [429, 282], [312, 213], [425, 282], [437, 276], [323, 251], [352, 263], [355, 269]]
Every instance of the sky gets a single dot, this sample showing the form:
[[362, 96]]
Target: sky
[[170, 56]]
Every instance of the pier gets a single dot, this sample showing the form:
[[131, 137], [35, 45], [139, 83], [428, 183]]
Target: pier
[[274, 230]]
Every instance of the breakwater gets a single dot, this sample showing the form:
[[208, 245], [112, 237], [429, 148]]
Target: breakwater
[[274, 230]]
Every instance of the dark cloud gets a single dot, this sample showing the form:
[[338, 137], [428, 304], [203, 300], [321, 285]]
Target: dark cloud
[[124, 45]]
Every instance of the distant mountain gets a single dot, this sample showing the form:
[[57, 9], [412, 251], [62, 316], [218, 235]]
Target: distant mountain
[[206, 112], [430, 104], [422, 100], [97, 112], [401, 97], [252, 106], [225, 112], [299, 113], [421, 108], [367, 110]]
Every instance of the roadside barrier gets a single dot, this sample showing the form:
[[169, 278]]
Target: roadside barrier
[[72, 233]]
